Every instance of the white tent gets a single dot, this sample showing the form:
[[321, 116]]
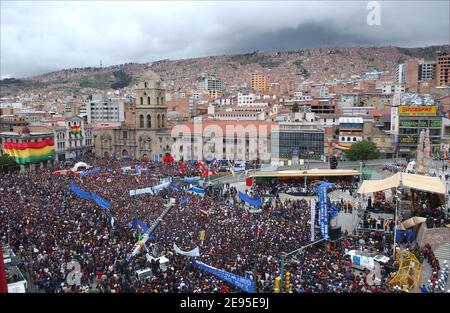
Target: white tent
[[414, 181], [78, 165]]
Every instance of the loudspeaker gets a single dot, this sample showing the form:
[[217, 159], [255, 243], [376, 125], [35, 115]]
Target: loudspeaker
[[335, 233]]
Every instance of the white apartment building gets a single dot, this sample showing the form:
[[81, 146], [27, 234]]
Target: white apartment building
[[426, 70], [298, 96], [400, 74], [104, 109], [209, 83], [388, 89], [246, 99]]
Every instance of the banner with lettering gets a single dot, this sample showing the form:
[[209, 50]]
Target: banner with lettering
[[246, 284], [90, 172], [141, 191], [323, 209]]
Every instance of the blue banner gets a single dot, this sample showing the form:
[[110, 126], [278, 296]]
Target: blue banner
[[197, 191], [137, 169], [246, 284], [249, 200], [184, 200], [409, 235], [176, 187], [139, 224], [100, 201], [94, 171], [79, 192], [334, 211], [323, 209]]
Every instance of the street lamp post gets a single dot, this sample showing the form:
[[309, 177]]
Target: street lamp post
[[399, 190]]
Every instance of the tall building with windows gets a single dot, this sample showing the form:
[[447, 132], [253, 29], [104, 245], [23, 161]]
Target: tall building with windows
[[443, 69], [426, 70], [400, 73], [210, 83], [102, 108], [259, 82]]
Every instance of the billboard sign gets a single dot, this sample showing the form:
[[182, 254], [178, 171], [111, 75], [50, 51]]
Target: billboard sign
[[417, 110]]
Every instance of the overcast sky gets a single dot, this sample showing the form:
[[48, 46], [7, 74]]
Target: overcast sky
[[38, 37]]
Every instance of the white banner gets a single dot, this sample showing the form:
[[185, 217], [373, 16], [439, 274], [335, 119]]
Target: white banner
[[192, 253], [160, 187], [141, 191], [313, 218]]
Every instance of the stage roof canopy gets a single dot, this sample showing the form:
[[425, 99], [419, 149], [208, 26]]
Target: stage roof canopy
[[308, 173], [414, 181]]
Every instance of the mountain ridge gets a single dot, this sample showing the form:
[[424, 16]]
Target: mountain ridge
[[296, 65]]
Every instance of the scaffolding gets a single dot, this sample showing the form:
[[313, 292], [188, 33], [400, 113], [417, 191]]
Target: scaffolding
[[409, 274]]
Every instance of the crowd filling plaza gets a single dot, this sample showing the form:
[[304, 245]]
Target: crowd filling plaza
[[51, 228]]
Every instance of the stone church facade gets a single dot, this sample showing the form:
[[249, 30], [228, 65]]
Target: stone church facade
[[148, 136]]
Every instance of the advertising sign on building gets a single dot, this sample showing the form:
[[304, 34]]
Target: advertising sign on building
[[417, 110]]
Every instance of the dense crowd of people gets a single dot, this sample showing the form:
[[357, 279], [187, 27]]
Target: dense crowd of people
[[49, 226]]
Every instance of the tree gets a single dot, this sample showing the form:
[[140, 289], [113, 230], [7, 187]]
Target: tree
[[363, 150], [7, 162], [295, 108]]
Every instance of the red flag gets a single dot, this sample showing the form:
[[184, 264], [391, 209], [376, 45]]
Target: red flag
[[224, 289], [201, 166], [182, 168], [168, 158], [258, 230], [3, 284]]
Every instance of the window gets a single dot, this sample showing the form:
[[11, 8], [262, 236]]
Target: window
[[148, 100], [149, 121], [162, 121], [142, 100], [159, 121], [342, 138], [125, 135], [141, 120], [354, 138]]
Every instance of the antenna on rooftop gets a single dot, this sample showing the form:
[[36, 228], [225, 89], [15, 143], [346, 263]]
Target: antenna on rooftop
[[100, 63]]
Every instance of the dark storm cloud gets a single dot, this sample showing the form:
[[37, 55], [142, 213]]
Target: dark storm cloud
[[38, 37]]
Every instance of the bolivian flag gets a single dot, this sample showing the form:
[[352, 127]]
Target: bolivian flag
[[341, 146], [30, 152], [75, 130]]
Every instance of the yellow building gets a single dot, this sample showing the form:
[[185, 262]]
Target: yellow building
[[260, 82]]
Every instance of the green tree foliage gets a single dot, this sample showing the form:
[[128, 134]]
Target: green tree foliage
[[123, 79], [363, 150], [7, 163], [295, 108]]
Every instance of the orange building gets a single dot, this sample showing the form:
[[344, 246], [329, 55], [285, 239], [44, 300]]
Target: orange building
[[260, 82]]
